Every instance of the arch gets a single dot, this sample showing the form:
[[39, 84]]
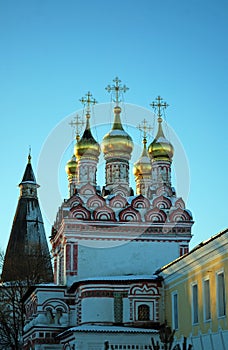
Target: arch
[[80, 213], [104, 214], [54, 304], [140, 202], [121, 190], [180, 215], [87, 190], [129, 214], [164, 190], [95, 201], [162, 202], [118, 201], [74, 201], [143, 312], [180, 203], [155, 215]]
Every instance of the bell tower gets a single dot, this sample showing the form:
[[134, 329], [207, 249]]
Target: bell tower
[[117, 147]]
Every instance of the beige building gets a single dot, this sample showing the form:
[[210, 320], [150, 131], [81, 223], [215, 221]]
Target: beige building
[[196, 294]]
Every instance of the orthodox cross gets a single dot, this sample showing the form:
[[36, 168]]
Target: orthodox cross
[[77, 123], [87, 101], [117, 88], [145, 128], [29, 155], [159, 105]]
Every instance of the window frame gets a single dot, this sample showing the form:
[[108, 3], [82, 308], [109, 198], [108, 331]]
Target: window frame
[[195, 303], [139, 309], [218, 295], [206, 299], [175, 310]]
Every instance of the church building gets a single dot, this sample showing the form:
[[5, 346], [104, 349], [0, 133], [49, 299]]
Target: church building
[[107, 243]]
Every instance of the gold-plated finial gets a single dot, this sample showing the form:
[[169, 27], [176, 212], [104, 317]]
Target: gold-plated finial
[[117, 89], [87, 101], [77, 123], [145, 128], [158, 106]]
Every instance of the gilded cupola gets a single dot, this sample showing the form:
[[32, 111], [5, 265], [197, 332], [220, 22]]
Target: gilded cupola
[[143, 166], [117, 142], [160, 148], [87, 147], [71, 166]]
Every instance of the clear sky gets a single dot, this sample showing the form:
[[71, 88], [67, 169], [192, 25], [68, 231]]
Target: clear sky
[[53, 52]]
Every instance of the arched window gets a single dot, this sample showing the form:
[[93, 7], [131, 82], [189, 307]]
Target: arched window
[[143, 312]]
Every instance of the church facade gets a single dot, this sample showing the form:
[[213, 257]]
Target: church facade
[[107, 244]]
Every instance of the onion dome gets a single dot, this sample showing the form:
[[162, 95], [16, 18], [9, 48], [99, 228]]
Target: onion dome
[[71, 166], [143, 166], [87, 146], [160, 148], [117, 142]]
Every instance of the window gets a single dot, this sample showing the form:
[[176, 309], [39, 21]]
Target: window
[[143, 312], [221, 302], [175, 310], [195, 312], [206, 300]]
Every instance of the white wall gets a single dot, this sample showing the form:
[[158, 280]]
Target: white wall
[[130, 258], [97, 310]]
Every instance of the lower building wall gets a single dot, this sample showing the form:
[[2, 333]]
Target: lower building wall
[[211, 341], [118, 341]]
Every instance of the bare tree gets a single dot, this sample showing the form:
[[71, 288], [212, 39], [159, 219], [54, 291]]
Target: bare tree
[[29, 272], [166, 335]]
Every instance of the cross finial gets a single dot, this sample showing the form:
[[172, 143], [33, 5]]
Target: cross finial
[[145, 128], [29, 155], [87, 101], [158, 105], [77, 123], [117, 89]]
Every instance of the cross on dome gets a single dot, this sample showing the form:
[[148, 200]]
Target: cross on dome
[[87, 101], [77, 123], [145, 128], [159, 105], [117, 89]]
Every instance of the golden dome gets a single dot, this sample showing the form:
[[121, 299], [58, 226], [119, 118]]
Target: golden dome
[[87, 146], [71, 166], [160, 148], [117, 142], [143, 166]]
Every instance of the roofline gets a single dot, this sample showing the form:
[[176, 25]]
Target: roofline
[[200, 245], [31, 289], [121, 279], [121, 329]]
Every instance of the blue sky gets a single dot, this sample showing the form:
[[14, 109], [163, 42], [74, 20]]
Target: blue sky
[[52, 52]]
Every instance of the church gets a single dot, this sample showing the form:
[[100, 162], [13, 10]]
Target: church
[[108, 241]]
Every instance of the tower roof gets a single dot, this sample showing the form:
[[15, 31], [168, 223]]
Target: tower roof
[[27, 256], [87, 146], [160, 148], [117, 142], [29, 174]]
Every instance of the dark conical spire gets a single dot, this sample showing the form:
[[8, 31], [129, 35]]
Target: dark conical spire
[[29, 174], [27, 256]]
